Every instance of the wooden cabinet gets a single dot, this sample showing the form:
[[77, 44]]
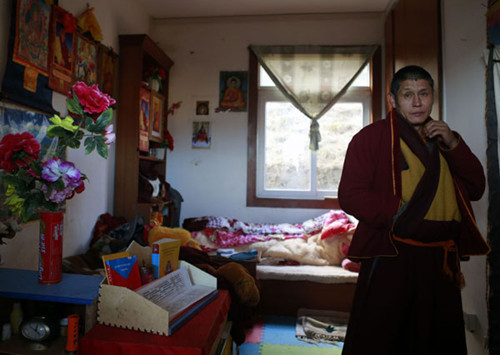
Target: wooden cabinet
[[413, 36], [138, 55]]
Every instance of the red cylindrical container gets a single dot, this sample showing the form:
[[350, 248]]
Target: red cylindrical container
[[51, 243], [72, 337]]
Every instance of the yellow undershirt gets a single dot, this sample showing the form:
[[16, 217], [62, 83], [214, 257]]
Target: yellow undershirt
[[444, 206]]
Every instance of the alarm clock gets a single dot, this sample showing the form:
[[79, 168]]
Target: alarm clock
[[39, 329]]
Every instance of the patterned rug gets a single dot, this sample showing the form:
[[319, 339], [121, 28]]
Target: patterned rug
[[274, 335]]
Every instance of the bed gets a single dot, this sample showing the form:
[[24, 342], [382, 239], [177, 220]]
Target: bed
[[300, 265]]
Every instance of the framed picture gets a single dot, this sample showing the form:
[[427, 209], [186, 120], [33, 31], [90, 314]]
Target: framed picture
[[202, 108], [233, 87], [156, 117], [201, 136], [85, 60], [62, 34], [144, 97], [106, 70]]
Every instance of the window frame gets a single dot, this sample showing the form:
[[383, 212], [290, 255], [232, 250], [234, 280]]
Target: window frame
[[325, 203]]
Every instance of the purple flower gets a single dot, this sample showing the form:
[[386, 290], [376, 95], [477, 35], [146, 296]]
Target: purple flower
[[56, 168], [57, 196]]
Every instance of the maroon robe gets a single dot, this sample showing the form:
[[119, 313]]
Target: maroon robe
[[404, 304]]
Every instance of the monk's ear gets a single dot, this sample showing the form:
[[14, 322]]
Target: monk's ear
[[392, 99]]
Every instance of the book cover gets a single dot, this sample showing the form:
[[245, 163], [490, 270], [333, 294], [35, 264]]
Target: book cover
[[124, 272], [111, 257], [165, 256]]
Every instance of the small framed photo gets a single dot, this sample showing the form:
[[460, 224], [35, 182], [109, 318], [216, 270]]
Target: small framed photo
[[233, 87], [202, 108], [156, 117], [202, 135]]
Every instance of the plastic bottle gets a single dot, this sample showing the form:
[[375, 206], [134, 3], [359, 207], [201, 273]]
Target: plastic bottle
[[63, 324], [16, 317]]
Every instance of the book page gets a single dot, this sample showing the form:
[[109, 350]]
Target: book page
[[174, 292]]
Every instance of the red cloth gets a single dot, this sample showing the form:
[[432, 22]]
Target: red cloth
[[196, 337]]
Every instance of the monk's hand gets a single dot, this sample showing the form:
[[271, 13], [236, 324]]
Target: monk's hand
[[441, 131]]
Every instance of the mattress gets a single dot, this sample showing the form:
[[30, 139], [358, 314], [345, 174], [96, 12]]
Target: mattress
[[321, 274]]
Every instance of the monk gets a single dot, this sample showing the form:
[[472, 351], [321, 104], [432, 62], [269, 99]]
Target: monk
[[410, 180]]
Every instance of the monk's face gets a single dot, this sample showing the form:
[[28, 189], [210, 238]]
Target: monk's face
[[413, 101]]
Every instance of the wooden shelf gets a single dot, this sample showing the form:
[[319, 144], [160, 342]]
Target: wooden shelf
[[137, 54]]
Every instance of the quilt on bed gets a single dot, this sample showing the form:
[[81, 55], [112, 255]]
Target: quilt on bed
[[323, 240]]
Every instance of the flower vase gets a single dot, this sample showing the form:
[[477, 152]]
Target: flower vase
[[51, 244], [154, 84]]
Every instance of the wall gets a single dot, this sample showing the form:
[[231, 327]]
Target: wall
[[115, 17], [464, 29], [213, 181]]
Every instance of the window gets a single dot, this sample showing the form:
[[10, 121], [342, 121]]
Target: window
[[282, 170]]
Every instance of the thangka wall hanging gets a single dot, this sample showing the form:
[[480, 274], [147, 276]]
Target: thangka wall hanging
[[85, 60], [26, 74], [61, 42], [107, 61]]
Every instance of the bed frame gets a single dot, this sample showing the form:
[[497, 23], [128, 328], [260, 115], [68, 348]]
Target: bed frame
[[286, 289], [285, 298]]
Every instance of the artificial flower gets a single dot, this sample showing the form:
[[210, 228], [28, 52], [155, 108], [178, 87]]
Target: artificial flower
[[109, 135], [90, 98], [66, 124], [169, 140], [34, 186], [18, 150]]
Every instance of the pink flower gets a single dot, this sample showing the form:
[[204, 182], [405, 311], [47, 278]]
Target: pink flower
[[18, 150], [93, 101], [109, 135]]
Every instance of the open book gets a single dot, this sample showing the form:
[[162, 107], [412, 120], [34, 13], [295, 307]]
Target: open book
[[176, 293]]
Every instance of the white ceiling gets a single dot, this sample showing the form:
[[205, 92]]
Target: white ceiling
[[209, 8]]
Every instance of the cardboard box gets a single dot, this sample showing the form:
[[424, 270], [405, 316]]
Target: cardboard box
[[121, 307]]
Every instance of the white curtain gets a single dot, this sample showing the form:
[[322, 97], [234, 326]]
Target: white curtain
[[313, 78]]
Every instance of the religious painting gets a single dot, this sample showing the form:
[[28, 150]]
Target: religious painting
[[201, 136], [233, 88], [106, 70], [144, 97], [31, 46], [202, 108], [85, 60], [156, 117], [62, 34]]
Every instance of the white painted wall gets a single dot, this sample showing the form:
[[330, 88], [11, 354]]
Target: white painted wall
[[115, 17], [213, 181], [464, 40]]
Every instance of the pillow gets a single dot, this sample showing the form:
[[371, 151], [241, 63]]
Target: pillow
[[336, 223]]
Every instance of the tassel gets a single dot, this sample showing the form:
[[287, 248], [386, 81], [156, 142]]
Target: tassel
[[314, 135]]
